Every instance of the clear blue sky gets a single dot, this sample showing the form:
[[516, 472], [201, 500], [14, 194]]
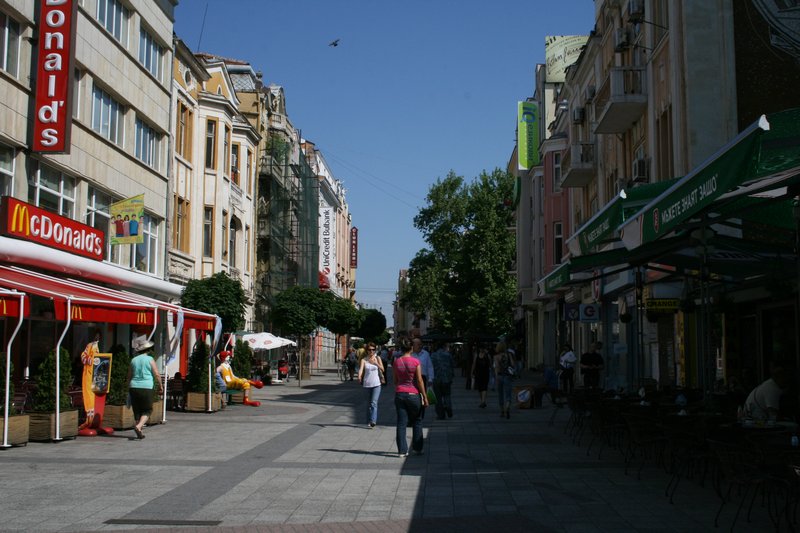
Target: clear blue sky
[[414, 89]]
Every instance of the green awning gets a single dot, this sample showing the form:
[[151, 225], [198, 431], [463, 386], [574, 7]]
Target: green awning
[[766, 154], [606, 221], [554, 280]]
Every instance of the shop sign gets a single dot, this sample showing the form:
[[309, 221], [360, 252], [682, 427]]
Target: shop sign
[[52, 115], [571, 312], [665, 305], [30, 223], [590, 313], [353, 247]]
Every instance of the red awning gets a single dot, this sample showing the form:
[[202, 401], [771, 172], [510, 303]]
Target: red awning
[[10, 302], [87, 303], [191, 319]]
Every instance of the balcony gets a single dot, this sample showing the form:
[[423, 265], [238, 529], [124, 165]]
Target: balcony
[[236, 197], [578, 165], [621, 100]]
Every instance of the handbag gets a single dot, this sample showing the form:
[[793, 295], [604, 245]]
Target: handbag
[[511, 371], [431, 396], [382, 376]]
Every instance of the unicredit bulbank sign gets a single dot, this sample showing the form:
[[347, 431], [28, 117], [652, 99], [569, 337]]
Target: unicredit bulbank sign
[[28, 222], [52, 114]]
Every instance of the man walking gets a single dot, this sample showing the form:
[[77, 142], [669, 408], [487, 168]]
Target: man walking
[[425, 365], [442, 383], [591, 365]]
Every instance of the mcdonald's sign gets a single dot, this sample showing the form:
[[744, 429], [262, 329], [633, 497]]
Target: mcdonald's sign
[[9, 306], [28, 222], [77, 312], [141, 317]]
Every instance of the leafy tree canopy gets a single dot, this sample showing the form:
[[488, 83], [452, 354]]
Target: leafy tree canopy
[[373, 325], [300, 310], [462, 279], [344, 317], [220, 295]]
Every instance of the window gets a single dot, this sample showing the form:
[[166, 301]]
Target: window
[[660, 20], [232, 236], [106, 116], [246, 266], [235, 164], [98, 215], [150, 53], [225, 233], [148, 144], [226, 151], [208, 231], [183, 135], [9, 44], [7, 157], [181, 227], [53, 190], [666, 168], [558, 243], [211, 143], [146, 254], [114, 17], [249, 176], [76, 94], [556, 171]]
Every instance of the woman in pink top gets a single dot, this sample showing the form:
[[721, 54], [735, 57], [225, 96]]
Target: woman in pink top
[[409, 398]]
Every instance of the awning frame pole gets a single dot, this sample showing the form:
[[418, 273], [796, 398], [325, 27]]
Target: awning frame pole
[[174, 346], [58, 369], [8, 368]]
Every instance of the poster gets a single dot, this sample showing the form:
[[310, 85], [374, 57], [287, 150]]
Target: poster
[[126, 221]]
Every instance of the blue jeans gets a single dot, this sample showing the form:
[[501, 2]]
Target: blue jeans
[[408, 408], [373, 393], [504, 390]]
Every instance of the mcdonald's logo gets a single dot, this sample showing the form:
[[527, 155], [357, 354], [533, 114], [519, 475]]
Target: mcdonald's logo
[[141, 317], [5, 311], [21, 220], [77, 313]]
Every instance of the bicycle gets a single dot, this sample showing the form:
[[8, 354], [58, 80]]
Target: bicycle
[[343, 372]]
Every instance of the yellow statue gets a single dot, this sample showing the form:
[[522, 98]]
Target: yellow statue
[[232, 382]]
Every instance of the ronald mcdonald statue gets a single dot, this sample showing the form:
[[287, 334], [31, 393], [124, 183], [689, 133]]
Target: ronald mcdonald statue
[[234, 383]]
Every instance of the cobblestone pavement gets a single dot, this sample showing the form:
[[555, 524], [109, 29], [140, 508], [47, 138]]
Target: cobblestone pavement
[[306, 461]]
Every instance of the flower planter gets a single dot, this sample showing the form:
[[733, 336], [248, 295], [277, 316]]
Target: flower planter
[[198, 401], [43, 425], [18, 430], [236, 396], [157, 417], [118, 417]]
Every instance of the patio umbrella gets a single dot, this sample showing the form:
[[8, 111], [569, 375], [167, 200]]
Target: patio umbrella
[[266, 341]]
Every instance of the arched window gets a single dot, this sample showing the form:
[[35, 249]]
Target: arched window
[[233, 234]]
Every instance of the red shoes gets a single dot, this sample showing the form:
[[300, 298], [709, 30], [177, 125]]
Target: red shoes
[[254, 403], [256, 383]]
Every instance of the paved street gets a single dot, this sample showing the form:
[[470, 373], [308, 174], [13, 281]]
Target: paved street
[[306, 461]]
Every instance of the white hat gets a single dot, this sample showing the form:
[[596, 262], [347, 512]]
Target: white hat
[[141, 343]]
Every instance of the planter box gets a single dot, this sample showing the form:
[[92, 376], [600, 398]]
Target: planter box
[[18, 430], [198, 401], [157, 417], [118, 417], [43, 425], [236, 396]]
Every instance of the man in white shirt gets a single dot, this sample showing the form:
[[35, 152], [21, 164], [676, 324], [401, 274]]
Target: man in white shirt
[[426, 365], [764, 401]]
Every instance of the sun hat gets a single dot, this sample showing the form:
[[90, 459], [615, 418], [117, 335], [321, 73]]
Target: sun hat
[[141, 343]]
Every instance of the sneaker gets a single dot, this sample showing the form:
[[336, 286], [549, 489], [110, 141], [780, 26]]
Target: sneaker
[[371, 425], [402, 454]]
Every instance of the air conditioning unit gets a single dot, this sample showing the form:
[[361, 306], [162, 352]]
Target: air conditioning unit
[[589, 93], [621, 39], [578, 115], [636, 11], [641, 170]]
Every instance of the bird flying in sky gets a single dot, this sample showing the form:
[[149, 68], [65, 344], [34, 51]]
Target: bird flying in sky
[[334, 43]]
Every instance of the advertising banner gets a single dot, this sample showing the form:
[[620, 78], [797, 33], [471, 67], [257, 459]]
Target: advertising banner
[[527, 135], [126, 220], [327, 245], [353, 247], [561, 51]]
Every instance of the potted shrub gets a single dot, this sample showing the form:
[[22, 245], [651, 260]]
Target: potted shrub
[[118, 414], [18, 424], [197, 378], [43, 416], [157, 416]]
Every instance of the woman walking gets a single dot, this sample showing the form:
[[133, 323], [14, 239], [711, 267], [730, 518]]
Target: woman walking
[[409, 398], [370, 372], [142, 375], [502, 361], [480, 374]]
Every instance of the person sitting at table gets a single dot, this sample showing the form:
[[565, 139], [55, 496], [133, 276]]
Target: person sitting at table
[[763, 403]]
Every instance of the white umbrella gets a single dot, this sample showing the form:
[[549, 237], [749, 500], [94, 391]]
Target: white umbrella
[[266, 341]]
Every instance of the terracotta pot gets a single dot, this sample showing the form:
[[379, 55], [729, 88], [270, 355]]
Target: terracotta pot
[[43, 425], [18, 429]]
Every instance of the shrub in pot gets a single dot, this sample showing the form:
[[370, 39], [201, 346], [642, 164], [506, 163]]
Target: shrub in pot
[[197, 381], [42, 419], [118, 414]]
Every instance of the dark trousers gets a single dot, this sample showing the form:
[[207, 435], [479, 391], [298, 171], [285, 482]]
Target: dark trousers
[[567, 380], [408, 407], [444, 403]]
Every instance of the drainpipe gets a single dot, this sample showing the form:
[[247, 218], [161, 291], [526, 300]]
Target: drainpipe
[[58, 370], [8, 369]]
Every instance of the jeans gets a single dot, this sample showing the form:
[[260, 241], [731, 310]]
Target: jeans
[[504, 390], [444, 402], [373, 393], [408, 406]]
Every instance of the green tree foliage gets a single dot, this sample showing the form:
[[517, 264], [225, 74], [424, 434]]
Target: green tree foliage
[[373, 325], [197, 376], [462, 280], [220, 295], [343, 317], [44, 398], [300, 310], [118, 386], [242, 364]]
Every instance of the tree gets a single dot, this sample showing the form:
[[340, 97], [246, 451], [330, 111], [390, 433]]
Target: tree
[[373, 325], [220, 295], [462, 280], [300, 310], [197, 376], [242, 362], [44, 398]]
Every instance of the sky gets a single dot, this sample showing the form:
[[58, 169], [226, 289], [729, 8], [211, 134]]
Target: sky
[[415, 89]]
